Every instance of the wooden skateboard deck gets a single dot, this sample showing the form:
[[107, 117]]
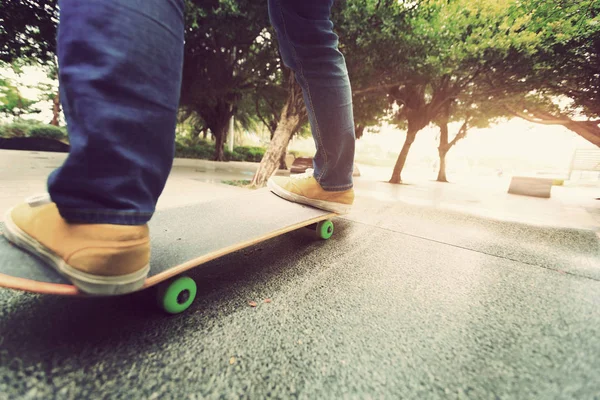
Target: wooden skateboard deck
[[182, 238]]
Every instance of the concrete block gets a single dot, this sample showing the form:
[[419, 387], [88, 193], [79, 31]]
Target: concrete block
[[531, 186]]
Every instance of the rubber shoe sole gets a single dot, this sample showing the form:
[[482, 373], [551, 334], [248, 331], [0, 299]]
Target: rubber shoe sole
[[332, 206], [88, 283]]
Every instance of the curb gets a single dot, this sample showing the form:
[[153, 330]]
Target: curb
[[177, 162], [214, 165]]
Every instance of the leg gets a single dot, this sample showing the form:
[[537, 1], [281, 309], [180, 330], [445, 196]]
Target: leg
[[120, 68], [309, 46]]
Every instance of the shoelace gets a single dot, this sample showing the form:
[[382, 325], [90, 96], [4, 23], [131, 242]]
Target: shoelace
[[305, 175], [39, 200]]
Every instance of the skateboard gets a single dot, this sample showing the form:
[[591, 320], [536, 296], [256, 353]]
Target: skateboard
[[182, 238]]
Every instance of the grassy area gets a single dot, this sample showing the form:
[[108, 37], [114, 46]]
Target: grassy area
[[239, 183]]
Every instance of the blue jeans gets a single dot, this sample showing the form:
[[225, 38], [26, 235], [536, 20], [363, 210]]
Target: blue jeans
[[120, 66], [309, 47]]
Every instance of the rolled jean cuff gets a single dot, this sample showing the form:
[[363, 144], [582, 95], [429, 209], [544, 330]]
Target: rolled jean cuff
[[342, 188], [105, 217]]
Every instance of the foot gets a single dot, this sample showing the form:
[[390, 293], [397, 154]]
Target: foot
[[305, 189], [100, 259]]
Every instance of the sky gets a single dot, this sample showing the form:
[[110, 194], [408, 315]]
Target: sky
[[511, 144], [511, 138]]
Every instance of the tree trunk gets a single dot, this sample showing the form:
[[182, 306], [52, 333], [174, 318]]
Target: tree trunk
[[273, 127], [204, 133], [359, 130], [282, 164], [442, 172], [292, 116], [443, 147], [218, 123], [277, 147], [56, 109], [419, 113], [220, 144], [397, 173], [587, 130]]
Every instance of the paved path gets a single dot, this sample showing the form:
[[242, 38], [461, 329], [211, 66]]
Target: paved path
[[24, 174], [406, 300]]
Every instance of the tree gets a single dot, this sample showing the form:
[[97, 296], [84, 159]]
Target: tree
[[228, 52], [261, 108], [293, 116], [28, 30], [442, 121], [565, 65], [369, 105], [417, 111], [561, 64], [366, 29], [28, 36], [451, 43], [268, 108], [473, 111]]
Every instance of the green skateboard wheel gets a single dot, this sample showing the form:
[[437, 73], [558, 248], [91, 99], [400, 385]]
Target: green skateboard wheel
[[177, 295], [324, 229]]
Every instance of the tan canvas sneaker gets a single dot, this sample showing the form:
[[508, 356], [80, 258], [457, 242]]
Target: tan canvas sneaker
[[305, 189], [99, 259]]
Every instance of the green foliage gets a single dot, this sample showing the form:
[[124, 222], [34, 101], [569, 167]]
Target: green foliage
[[201, 149], [253, 154], [232, 156], [462, 40], [422, 54], [229, 53], [567, 60], [16, 129], [370, 31], [11, 101], [467, 34], [48, 131], [28, 30], [239, 183], [411, 56], [455, 49], [32, 128], [263, 105]]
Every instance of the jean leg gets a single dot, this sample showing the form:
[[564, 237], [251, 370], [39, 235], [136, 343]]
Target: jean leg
[[120, 65], [309, 46]]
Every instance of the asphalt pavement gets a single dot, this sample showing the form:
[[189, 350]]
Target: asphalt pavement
[[406, 300]]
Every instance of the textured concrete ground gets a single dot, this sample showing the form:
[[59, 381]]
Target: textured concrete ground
[[406, 300]]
